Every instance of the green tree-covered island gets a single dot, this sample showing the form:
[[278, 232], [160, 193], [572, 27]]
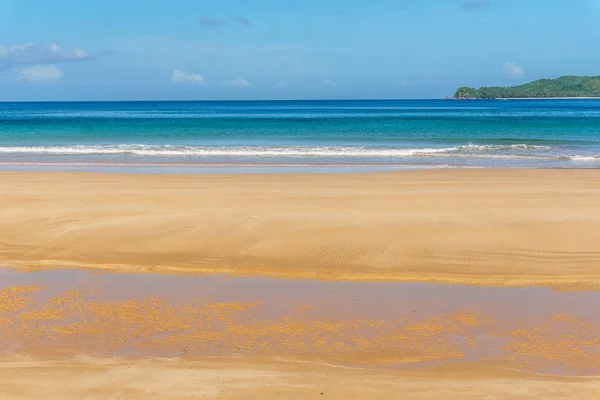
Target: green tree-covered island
[[563, 87]]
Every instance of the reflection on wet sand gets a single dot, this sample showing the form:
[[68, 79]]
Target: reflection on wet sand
[[374, 325]]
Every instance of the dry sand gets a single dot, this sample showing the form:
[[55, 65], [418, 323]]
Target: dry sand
[[231, 379], [485, 227]]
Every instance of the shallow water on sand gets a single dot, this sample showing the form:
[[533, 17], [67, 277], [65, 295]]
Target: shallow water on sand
[[376, 325]]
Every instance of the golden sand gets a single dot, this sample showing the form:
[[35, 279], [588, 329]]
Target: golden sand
[[478, 227], [485, 227], [233, 379]]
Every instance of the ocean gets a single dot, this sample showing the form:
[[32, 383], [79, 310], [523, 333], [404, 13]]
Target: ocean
[[338, 136]]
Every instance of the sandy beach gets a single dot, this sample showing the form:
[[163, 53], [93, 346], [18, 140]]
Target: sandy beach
[[485, 227], [231, 379], [300, 286]]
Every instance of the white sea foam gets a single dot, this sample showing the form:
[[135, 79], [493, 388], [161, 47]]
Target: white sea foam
[[171, 150], [584, 158], [155, 150], [470, 150]]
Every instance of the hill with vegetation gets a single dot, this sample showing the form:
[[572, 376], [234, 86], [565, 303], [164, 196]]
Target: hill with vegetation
[[565, 86]]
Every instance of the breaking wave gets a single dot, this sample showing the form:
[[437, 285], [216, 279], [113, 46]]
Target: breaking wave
[[257, 151]]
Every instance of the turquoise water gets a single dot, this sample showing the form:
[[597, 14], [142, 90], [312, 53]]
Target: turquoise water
[[190, 136]]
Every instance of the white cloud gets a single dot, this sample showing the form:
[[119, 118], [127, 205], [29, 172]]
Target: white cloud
[[40, 74], [513, 70], [328, 82], [178, 76], [238, 82], [79, 54], [18, 55], [282, 84]]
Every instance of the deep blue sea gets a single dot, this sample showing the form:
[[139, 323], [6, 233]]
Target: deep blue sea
[[299, 135]]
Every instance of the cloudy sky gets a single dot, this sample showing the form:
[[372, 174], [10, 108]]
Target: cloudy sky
[[287, 49]]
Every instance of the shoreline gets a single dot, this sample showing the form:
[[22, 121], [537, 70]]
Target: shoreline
[[266, 169], [209, 169], [490, 227]]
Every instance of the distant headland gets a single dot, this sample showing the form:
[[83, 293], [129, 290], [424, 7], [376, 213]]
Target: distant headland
[[559, 88]]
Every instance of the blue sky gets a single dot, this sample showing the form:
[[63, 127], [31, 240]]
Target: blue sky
[[287, 49]]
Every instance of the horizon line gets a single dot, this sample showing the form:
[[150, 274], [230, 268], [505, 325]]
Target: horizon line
[[219, 100]]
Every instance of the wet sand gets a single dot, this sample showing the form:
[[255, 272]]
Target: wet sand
[[161, 336], [484, 227], [371, 325]]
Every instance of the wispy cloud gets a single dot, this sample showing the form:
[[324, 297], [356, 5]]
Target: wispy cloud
[[513, 70], [242, 20], [328, 82], [210, 22], [16, 56], [178, 76], [239, 82], [476, 4], [282, 84], [40, 74]]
